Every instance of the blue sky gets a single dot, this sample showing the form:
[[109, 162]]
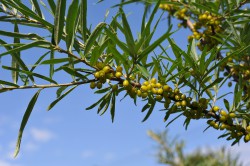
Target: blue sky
[[70, 135]]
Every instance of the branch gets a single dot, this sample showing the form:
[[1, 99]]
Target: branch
[[45, 86]]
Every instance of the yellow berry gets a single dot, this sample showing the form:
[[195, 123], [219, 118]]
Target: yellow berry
[[153, 80], [144, 88], [166, 88], [106, 69], [99, 85], [247, 138], [118, 74], [158, 97], [92, 85], [144, 95], [97, 74], [216, 108], [223, 113], [125, 83], [119, 69], [248, 128], [232, 115], [223, 118], [160, 91]]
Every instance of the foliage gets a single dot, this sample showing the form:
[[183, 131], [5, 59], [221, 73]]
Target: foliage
[[110, 58], [171, 152]]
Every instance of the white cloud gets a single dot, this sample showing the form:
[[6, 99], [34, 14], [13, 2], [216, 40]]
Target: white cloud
[[41, 135], [87, 154], [5, 163], [109, 157], [30, 147]]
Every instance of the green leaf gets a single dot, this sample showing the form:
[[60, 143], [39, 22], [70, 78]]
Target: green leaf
[[96, 103], [16, 34], [83, 18], [112, 109], [143, 71], [60, 98], [8, 83], [152, 105], [55, 61], [73, 72], [51, 66], [37, 8], [216, 81], [155, 44], [29, 13], [14, 63], [114, 38], [128, 34], [37, 43], [59, 21], [174, 119], [227, 105], [52, 6], [92, 38], [25, 120], [30, 74], [71, 23]]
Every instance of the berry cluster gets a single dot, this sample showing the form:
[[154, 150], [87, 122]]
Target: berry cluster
[[163, 93], [226, 121], [210, 25]]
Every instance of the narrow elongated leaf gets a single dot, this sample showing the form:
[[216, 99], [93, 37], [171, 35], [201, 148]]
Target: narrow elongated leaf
[[51, 66], [112, 109], [38, 43], [29, 13], [143, 71], [73, 72], [84, 19], [37, 8], [71, 23], [128, 34], [149, 111], [30, 74], [155, 44], [92, 38], [60, 98], [25, 120], [59, 21], [217, 81], [14, 63], [16, 34], [8, 83], [55, 61], [16, 57], [96, 103], [52, 6], [115, 39]]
